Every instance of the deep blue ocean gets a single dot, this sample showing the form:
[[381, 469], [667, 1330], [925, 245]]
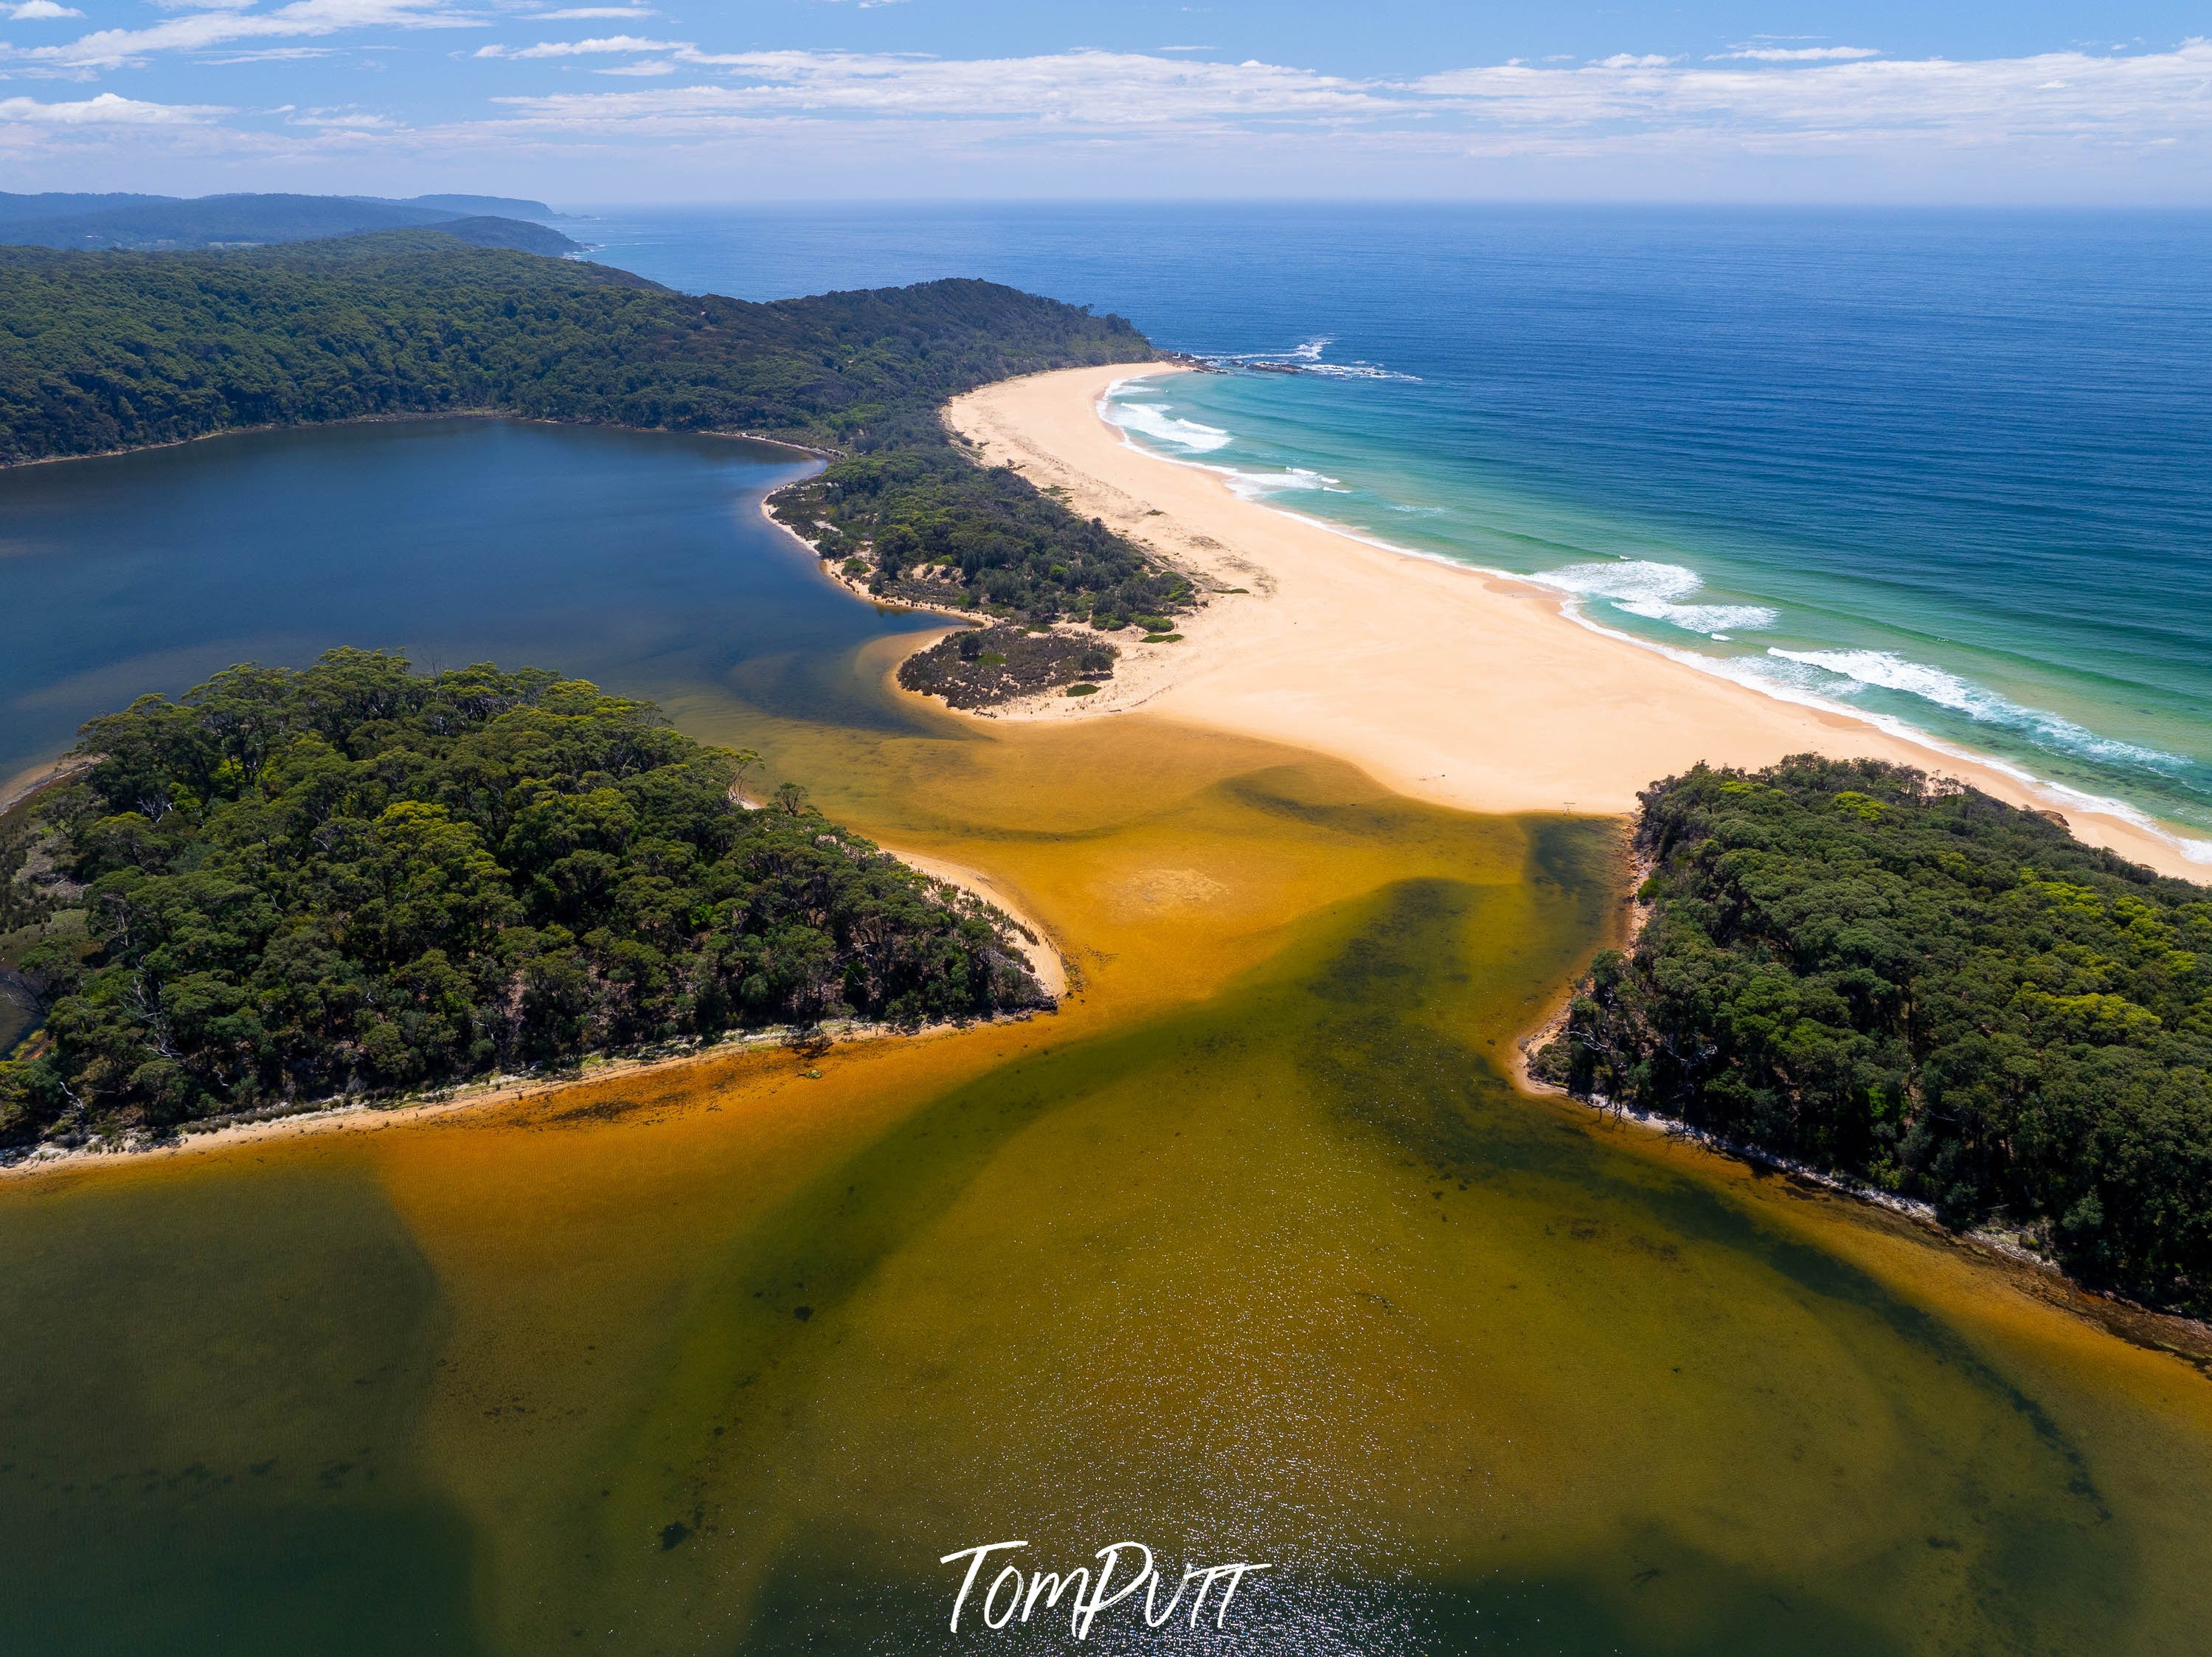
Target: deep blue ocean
[[1952, 469]]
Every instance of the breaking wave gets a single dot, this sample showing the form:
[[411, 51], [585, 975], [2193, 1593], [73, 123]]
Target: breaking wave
[[1256, 485], [1155, 422], [1639, 586], [1853, 672]]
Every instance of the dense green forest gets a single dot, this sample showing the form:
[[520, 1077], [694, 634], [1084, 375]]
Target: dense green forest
[[988, 538], [288, 885], [115, 350], [1850, 966]]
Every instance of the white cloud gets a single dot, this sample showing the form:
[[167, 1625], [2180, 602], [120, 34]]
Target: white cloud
[[204, 29], [106, 110], [1793, 54], [32, 10], [349, 120], [851, 121], [604, 44], [581, 14], [1088, 89], [2072, 92], [2069, 92]]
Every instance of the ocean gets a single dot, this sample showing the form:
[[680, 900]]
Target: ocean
[[1951, 470]]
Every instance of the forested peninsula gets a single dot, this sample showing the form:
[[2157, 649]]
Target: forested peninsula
[[1850, 966], [115, 350], [358, 880]]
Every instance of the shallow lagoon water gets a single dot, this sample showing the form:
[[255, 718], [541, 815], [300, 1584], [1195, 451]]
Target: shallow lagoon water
[[1250, 1252]]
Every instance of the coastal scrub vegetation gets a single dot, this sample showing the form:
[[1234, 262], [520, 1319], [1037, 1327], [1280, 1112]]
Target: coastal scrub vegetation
[[1853, 967], [353, 879], [115, 350], [931, 527], [980, 666]]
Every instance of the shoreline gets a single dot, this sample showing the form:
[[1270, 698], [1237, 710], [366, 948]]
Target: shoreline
[[341, 1116], [1460, 686], [403, 415]]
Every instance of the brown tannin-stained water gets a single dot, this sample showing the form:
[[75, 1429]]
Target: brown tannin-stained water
[[1253, 1253]]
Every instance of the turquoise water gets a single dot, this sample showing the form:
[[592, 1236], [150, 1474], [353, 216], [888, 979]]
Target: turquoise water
[[1954, 471]]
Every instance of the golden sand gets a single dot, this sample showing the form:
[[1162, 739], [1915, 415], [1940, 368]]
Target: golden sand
[[1444, 683]]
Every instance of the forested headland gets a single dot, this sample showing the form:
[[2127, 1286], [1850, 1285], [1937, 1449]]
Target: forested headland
[[1908, 982], [101, 222], [115, 350], [355, 880]]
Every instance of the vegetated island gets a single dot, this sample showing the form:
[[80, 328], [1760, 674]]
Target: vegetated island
[[354, 880], [1909, 983], [115, 350]]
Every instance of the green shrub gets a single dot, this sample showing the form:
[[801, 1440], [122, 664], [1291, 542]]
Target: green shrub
[[1850, 966], [355, 878]]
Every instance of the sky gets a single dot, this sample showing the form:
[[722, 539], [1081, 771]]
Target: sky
[[1812, 101]]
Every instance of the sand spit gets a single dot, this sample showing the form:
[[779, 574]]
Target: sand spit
[[1444, 683]]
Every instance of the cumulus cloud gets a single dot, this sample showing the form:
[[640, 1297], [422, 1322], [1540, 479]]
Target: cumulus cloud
[[611, 43], [2070, 93], [1833, 96], [1090, 89], [107, 110], [1792, 54], [972, 117], [32, 10]]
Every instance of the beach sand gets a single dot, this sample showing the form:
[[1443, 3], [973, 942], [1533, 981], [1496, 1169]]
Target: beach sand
[[1443, 683]]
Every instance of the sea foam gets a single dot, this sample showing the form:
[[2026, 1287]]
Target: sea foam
[[1852, 673], [1307, 359], [1641, 587], [1258, 485], [1155, 422]]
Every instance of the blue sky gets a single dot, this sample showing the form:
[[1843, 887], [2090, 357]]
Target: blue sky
[[2037, 101]]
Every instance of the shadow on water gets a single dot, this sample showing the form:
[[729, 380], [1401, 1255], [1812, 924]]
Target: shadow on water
[[1378, 1052], [206, 1402], [1365, 1027]]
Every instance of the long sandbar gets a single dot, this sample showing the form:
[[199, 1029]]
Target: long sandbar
[[1444, 683]]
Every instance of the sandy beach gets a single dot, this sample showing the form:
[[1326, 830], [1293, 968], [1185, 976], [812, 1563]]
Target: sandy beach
[[1444, 683]]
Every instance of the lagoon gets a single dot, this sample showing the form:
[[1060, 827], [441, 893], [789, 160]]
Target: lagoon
[[640, 560], [1253, 1252]]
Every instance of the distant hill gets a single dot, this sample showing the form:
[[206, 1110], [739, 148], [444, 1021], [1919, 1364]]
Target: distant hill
[[156, 223], [57, 204], [504, 207]]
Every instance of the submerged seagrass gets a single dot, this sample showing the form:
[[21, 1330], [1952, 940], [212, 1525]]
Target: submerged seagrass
[[1254, 1248], [289, 885]]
